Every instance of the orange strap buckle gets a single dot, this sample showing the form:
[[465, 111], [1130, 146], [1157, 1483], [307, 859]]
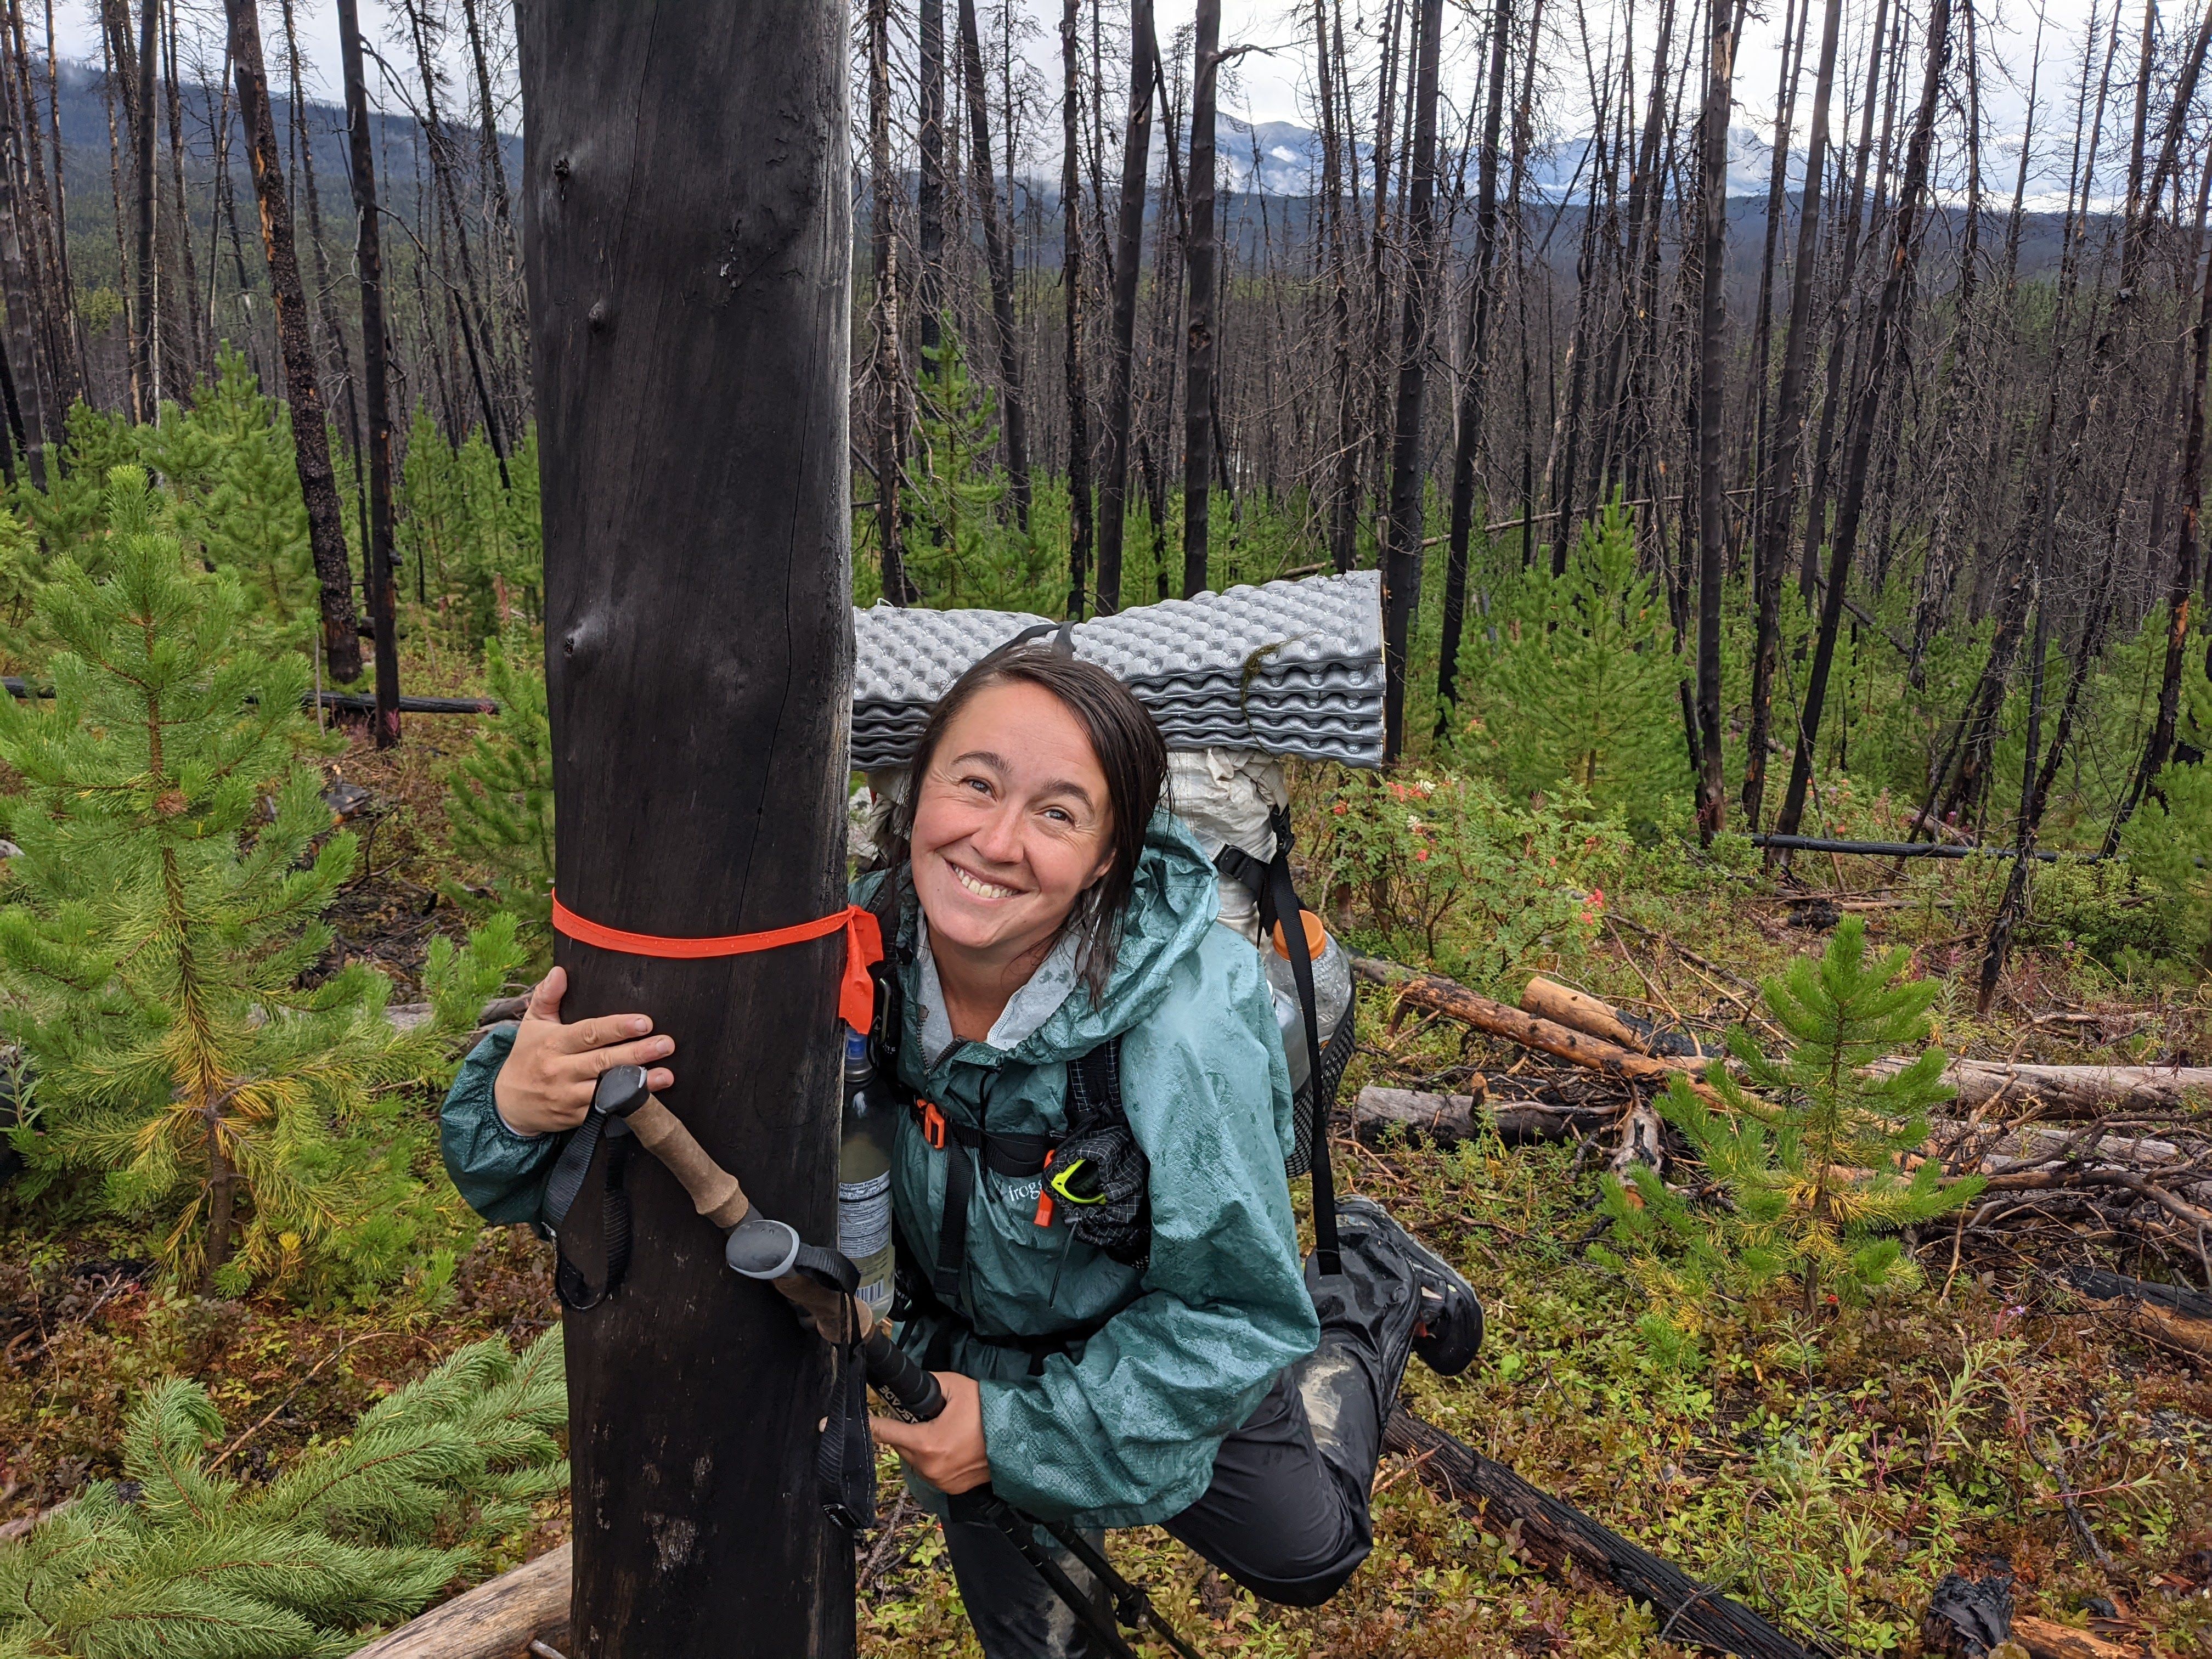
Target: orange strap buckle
[[933, 1124], [1043, 1216]]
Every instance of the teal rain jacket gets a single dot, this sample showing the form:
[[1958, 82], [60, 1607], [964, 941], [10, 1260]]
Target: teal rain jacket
[[1123, 1430]]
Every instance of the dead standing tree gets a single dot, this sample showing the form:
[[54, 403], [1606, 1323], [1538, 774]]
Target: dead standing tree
[[998, 256], [1129, 238], [1867, 407], [1200, 404], [369, 260], [689, 361], [1401, 528], [311, 442], [1475, 368], [1712, 357], [1071, 282]]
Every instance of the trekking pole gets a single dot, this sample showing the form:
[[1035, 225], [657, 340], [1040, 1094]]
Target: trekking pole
[[761, 1248]]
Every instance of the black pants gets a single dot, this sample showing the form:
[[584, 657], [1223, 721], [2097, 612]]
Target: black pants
[[1286, 1515]]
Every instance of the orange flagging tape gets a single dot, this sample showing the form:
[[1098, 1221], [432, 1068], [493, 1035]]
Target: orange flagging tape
[[864, 946]]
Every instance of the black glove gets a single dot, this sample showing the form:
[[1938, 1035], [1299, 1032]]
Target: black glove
[[1104, 1177]]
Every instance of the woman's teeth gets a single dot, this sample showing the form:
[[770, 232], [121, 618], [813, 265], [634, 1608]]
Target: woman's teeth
[[978, 887]]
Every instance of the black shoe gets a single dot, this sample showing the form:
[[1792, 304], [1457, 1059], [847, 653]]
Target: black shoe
[[1448, 1333]]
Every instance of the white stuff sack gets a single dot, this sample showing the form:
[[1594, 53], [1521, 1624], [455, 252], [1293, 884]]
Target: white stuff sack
[[1226, 795]]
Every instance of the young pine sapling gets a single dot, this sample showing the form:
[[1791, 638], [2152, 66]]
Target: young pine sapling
[[164, 923], [1817, 1171]]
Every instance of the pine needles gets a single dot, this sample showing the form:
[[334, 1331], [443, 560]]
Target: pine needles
[[177, 1562]]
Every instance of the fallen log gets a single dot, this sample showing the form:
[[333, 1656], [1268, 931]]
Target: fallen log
[[2169, 1330], [497, 1620], [1563, 1004], [2046, 1638], [1445, 996], [2048, 1180], [2063, 1092], [1555, 1533], [2105, 1287], [1446, 1119]]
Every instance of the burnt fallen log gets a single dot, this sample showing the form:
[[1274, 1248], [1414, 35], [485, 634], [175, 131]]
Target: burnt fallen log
[[2177, 1320], [1563, 1004], [1445, 996], [1555, 1536], [349, 702], [2103, 1285], [345, 701], [1444, 1121]]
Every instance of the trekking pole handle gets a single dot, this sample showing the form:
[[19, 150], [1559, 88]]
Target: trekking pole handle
[[714, 1191], [716, 1194], [895, 1372]]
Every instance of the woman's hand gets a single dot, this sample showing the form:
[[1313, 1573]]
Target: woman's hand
[[552, 1070], [947, 1451]]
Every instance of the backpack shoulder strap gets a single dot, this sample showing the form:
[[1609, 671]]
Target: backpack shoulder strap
[[1096, 1077]]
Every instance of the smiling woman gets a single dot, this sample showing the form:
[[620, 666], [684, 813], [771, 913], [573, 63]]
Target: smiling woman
[[1097, 1253], [1036, 780]]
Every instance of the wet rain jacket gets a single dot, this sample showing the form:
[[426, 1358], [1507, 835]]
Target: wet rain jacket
[[1124, 1429]]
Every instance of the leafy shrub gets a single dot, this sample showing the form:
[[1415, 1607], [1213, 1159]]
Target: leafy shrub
[[1818, 1175], [1452, 872], [176, 861], [194, 1565]]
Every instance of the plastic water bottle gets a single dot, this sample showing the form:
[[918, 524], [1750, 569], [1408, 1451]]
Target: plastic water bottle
[[864, 1176], [1332, 977]]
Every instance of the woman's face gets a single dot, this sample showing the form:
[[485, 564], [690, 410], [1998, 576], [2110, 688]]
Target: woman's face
[[1011, 824]]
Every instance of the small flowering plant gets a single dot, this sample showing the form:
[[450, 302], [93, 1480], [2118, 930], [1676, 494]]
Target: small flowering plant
[[1449, 870]]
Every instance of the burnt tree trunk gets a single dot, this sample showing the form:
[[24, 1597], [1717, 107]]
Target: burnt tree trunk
[[890, 422], [1785, 448], [1071, 282], [1467, 441], [22, 353], [369, 260], [1198, 263], [1128, 250], [1466, 438], [1401, 529], [689, 365], [998, 256], [311, 442], [2187, 553], [144, 394], [929, 184], [1860, 433], [1712, 358]]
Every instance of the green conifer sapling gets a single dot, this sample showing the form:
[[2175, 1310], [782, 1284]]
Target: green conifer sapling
[[177, 858], [1820, 1168]]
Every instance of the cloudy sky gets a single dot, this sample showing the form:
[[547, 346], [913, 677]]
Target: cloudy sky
[[1274, 83]]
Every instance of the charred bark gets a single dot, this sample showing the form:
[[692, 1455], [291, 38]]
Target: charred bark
[[311, 444], [689, 362]]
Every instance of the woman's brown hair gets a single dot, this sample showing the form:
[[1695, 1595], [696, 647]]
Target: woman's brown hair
[[1130, 751]]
